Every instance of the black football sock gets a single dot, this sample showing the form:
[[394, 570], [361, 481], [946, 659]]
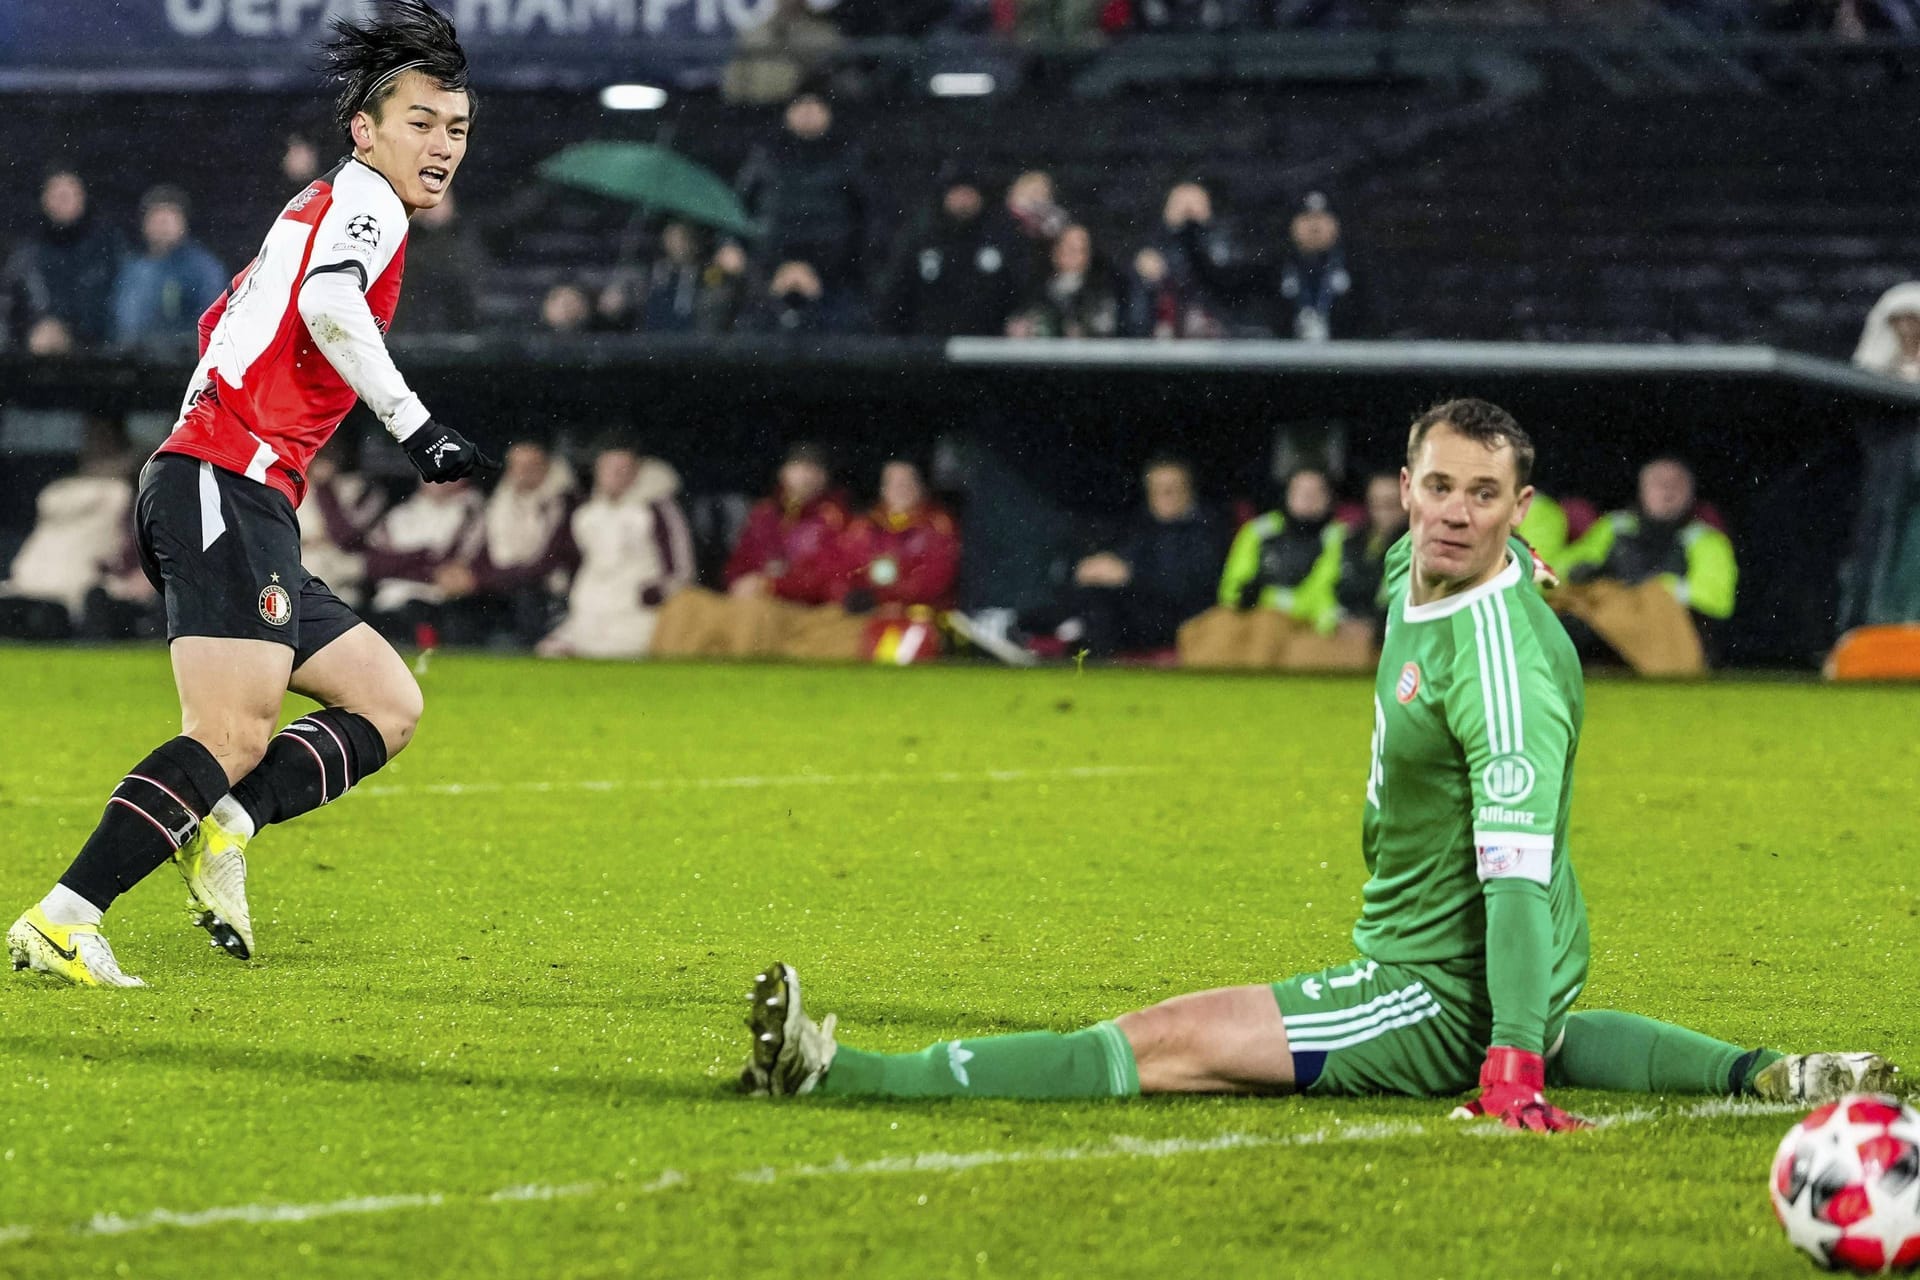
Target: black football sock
[[156, 808], [310, 762]]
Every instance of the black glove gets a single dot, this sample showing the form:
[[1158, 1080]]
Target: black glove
[[441, 454]]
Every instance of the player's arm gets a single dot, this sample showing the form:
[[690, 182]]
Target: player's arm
[[1243, 565], [1316, 600], [1515, 728], [1587, 555], [1711, 575], [351, 247]]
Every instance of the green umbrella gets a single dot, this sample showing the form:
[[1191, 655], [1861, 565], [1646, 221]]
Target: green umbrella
[[656, 179]]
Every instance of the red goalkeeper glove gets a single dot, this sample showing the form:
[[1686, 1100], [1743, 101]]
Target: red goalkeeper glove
[[1511, 1081], [1543, 575]]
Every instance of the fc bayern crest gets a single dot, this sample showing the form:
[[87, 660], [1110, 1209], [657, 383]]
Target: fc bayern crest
[[1409, 683], [276, 606]]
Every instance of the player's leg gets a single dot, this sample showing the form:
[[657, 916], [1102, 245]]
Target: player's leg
[[230, 692], [218, 546], [370, 704], [1224, 1041], [1603, 1049]]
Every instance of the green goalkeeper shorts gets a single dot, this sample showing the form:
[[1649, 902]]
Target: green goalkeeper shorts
[[1370, 1027]]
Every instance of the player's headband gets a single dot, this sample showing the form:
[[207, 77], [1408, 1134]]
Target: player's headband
[[374, 88]]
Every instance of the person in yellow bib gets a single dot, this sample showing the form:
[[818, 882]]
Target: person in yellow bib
[[1662, 539]]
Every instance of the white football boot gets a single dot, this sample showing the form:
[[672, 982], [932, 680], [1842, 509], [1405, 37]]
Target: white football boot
[[75, 953], [790, 1051], [214, 865], [1823, 1077]]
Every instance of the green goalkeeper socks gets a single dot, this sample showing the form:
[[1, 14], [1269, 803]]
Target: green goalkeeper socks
[[1624, 1051], [1094, 1063]]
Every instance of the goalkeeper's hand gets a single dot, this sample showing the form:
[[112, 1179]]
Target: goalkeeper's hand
[[1543, 575], [439, 454], [1511, 1081]]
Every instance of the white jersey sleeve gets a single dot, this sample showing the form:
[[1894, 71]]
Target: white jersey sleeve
[[355, 244]]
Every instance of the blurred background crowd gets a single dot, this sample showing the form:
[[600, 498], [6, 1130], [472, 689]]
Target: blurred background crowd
[[1189, 173]]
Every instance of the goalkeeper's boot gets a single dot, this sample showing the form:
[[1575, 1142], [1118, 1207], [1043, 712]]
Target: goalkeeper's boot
[[214, 865], [1822, 1077], [73, 952], [790, 1051]]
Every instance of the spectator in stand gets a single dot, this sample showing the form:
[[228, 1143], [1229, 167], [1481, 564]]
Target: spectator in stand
[[445, 262], [1193, 15], [785, 579], [670, 302], [1890, 339], [723, 290], [440, 525], [300, 163], [1662, 541], [82, 526], [800, 301], [790, 545], [1163, 571], [1363, 556], [903, 553], [567, 308], [1314, 282], [1180, 283], [773, 59], [811, 193], [1134, 596], [1027, 223], [160, 295], [634, 553], [1077, 301], [58, 288], [513, 584], [340, 510], [1290, 560], [949, 277]]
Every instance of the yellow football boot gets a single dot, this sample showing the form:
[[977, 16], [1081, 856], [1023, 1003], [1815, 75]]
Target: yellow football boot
[[73, 952]]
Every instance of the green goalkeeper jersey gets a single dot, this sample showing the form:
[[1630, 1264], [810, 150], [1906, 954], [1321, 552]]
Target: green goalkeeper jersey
[[1476, 718]]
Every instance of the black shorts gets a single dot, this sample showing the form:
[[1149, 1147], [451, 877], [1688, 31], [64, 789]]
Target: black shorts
[[225, 552]]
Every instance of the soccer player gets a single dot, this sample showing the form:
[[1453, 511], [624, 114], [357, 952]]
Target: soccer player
[[1472, 937], [284, 353]]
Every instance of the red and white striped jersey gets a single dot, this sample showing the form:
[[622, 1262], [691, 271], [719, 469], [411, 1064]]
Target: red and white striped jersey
[[285, 352]]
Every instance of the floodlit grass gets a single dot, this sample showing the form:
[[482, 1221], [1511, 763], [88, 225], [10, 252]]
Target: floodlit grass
[[498, 1006]]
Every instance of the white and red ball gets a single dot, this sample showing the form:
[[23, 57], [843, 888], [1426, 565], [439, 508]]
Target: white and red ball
[[1846, 1184]]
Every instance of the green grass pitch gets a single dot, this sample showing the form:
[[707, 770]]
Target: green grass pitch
[[498, 1009]]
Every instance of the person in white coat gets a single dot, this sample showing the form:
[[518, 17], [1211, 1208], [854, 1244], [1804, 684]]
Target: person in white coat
[[80, 531], [1890, 339], [635, 551]]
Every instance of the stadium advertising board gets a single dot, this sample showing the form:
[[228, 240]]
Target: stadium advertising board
[[263, 42]]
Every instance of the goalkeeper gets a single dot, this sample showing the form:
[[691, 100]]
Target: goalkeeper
[[1472, 937]]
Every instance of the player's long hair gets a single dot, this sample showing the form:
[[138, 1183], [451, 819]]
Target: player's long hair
[[365, 58]]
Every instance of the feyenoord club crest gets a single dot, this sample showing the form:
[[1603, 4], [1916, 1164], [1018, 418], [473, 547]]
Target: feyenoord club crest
[[1409, 683], [276, 606]]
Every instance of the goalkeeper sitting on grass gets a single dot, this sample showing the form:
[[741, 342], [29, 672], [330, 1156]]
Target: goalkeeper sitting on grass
[[1472, 937]]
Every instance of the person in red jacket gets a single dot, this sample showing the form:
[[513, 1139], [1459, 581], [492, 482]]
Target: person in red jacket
[[904, 552], [790, 547]]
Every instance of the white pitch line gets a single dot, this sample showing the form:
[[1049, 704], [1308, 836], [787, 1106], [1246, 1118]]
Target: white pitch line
[[743, 782], [1164, 1148], [1119, 1147]]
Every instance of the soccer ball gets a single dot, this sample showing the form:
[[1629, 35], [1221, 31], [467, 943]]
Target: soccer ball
[[1846, 1184]]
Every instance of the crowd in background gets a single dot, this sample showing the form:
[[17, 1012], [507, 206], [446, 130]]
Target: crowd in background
[[602, 561], [1057, 18], [836, 256]]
